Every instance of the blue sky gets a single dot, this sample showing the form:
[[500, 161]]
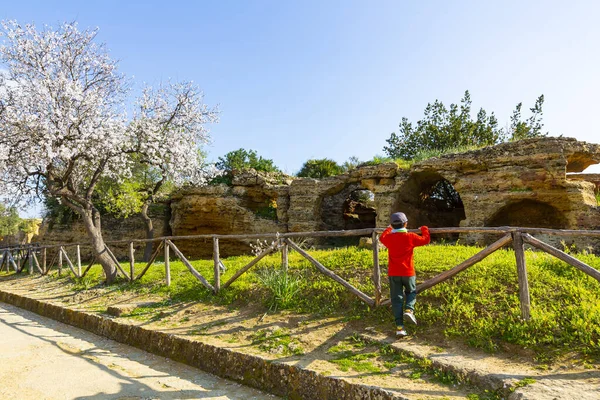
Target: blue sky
[[312, 79]]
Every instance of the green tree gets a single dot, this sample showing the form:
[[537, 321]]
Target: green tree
[[9, 220], [134, 195], [532, 127], [242, 159], [443, 129], [320, 168]]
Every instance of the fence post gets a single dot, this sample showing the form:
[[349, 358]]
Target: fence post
[[131, 262], [44, 260], [167, 265], [59, 261], [522, 274], [376, 270], [14, 264], [217, 284], [78, 261], [284, 256], [30, 256]]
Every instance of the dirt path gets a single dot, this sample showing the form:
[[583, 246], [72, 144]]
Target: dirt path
[[44, 359]]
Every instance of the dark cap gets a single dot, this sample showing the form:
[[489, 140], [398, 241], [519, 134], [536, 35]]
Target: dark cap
[[398, 218]]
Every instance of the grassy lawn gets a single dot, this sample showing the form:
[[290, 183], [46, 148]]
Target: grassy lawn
[[479, 307]]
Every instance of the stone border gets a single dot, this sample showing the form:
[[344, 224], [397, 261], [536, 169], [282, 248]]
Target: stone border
[[274, 377]]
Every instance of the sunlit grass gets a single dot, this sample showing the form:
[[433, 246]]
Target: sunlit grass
[[479, 306]]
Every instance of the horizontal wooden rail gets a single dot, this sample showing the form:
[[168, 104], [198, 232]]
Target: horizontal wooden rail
[[343, 233]]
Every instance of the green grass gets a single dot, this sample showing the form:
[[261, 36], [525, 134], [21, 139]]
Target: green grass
[[480, 306], [365, 356], [420, 156], [277, 341], [597, 197]]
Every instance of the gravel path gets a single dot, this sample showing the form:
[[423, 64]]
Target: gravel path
[[44, 359]]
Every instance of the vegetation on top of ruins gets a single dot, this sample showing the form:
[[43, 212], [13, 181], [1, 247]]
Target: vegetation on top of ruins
[[325, 167], [320, 168], [241, 160], [480, 306], [444, 129]]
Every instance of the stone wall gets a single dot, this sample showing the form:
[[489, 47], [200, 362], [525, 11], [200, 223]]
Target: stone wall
[[520, 184], [526, 183]]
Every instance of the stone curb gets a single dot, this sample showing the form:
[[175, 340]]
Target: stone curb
[[274, 377]]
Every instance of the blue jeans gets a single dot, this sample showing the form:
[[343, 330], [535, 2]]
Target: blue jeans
[[403, 289]]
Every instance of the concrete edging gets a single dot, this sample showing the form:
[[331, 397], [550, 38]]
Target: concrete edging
[[270, 376]]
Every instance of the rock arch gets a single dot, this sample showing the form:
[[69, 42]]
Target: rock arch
[[430, 199], [353, 207]]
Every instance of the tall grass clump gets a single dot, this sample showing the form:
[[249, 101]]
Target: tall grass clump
[[283, 286]]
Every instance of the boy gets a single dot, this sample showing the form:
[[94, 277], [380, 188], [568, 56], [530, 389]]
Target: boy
[[401, 269]]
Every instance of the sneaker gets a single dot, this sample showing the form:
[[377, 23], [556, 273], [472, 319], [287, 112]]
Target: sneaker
[[401, 332], [408, 314]]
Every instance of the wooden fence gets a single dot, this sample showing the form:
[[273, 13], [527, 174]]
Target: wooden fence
[[27, 255]]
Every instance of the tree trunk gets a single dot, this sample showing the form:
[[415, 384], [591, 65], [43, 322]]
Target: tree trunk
[[91, 220], [149, 231]]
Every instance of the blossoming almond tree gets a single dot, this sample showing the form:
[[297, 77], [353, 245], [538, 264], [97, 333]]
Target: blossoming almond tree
[[63, 124]]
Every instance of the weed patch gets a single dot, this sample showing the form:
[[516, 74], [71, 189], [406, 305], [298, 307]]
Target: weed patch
[[276, 341]]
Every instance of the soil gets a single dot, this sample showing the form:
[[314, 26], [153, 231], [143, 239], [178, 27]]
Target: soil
[[307, 341]]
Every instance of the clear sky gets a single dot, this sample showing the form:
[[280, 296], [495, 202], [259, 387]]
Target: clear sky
[[312, 79]]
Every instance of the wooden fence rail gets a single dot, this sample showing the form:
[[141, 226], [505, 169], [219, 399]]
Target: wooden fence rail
[[19, 256]]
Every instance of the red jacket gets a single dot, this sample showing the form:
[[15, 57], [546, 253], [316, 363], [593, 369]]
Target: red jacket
[[400, 250]]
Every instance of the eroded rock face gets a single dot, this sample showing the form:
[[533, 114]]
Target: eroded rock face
[[251, 205], [521, 183]]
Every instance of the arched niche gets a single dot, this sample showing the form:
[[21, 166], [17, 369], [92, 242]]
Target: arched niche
[[528, 213], [352, 207], [427, 198]]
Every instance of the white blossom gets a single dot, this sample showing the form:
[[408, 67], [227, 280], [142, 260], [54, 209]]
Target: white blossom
[[63, 122]]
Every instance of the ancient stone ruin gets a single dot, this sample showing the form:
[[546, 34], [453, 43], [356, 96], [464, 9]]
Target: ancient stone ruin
[[530, 183]]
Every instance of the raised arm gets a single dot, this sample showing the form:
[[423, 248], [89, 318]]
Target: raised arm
[[384, 236], [424, 239]]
